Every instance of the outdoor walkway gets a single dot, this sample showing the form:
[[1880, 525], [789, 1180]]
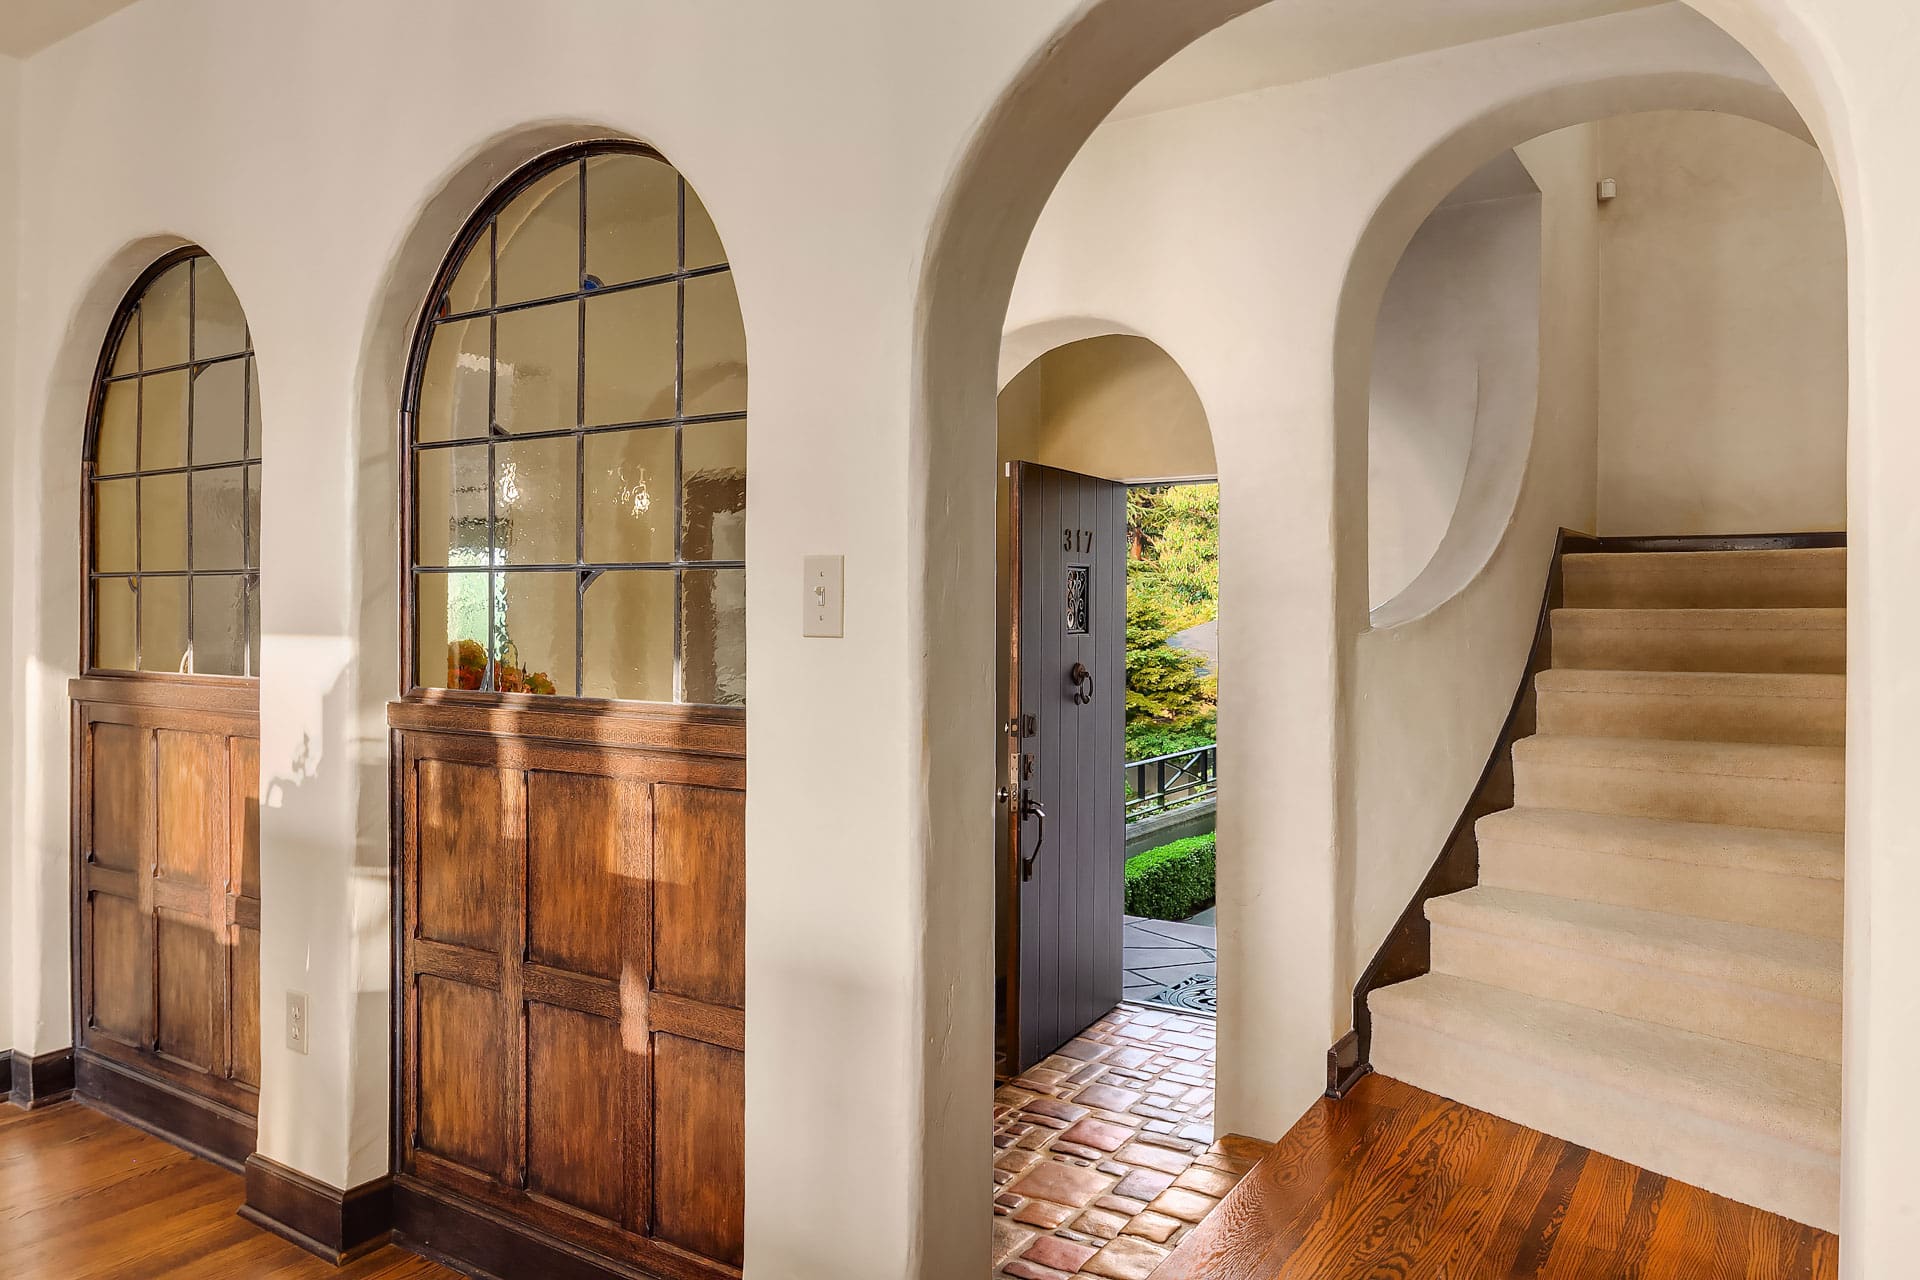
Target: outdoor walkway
[[1170, 964], [1105, 1153]]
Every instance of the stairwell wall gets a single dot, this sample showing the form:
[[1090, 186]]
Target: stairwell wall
[[1723, 336]]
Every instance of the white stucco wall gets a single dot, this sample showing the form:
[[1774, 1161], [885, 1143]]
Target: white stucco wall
[[1723, 340], [11, 940], [1456, 370], [326, 154]]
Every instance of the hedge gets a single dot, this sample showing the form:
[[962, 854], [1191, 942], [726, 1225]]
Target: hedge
[[1172, 882]]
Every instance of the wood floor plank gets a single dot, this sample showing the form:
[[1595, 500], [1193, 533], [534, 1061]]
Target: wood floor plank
[[83, 1197], [1396, 1184]]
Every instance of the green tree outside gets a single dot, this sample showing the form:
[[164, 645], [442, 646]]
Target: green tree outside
[[1173, 582]]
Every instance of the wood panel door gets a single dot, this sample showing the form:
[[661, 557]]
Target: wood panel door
[[1066, 799], [571, 969], [166, 833]]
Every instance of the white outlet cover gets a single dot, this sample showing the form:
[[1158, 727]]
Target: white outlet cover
[[298, 1032]]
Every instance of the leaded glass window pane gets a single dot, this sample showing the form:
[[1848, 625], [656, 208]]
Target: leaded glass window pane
[[174, 516], [577, 444]]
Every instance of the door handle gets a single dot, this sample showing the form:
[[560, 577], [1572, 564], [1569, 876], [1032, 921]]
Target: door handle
[[1082, 682], [1031, 808]]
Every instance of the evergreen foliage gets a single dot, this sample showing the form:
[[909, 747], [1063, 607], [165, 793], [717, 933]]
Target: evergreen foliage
[[1173, 582]]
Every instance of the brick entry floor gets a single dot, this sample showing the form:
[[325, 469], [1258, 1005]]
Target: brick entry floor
[[1106, 1154]]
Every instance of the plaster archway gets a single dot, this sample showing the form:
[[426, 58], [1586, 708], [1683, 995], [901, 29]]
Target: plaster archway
[[989, 209]]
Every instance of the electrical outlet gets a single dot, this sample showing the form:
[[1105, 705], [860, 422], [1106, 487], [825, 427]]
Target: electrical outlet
[[297, 1021]]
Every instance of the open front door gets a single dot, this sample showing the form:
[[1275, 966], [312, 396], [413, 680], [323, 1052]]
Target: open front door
[[1066, 846]]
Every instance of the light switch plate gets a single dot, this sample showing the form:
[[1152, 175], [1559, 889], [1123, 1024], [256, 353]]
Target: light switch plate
[[297, 1021], [823, 598]]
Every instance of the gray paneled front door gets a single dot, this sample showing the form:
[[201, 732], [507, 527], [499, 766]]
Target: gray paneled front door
[[1065, 798]]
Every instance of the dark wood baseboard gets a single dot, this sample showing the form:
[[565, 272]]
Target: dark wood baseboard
[[336, 1225], [206, 1128], [491, 1246], [36, 1082], [1345, 1066]]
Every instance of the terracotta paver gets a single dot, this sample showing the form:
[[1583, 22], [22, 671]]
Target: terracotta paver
[[1106, 1155]]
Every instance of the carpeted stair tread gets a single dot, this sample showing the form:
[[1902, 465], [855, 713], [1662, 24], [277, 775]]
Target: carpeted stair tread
[[1746, 955], [1779, 1095], [1819, 855]]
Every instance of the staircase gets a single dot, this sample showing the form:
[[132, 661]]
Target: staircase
[[1650, 964]]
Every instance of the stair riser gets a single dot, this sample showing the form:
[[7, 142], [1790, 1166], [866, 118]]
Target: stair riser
[[1780, 1177], [1686, 797], [1791, 651], [1813, 722], [1745, 1014], [1721, 586], [1796, 904]]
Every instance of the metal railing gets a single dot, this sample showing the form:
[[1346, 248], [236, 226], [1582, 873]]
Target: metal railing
[[1165, 782]]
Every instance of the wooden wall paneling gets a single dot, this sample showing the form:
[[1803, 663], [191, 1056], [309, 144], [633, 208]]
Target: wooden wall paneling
[[700, 888], [699, 1146], [620, 924], [166, 929]]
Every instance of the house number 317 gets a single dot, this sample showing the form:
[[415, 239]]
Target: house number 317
[[1078, 539]]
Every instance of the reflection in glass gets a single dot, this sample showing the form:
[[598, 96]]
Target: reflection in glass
[[539, 240], [219, 326], [163, 624], [536, 371], [115, 530], [126, 356], [713, 637], [163, 523], [630, 496], [253, 517], [534, 633], [703, 242], [450, 507], [219, 625], [219, 409], [713, 504], [253, 625], [163, 420], [450, 611], [114, 450], [253, 409], [219, 509], [453, 386], [472, 287], [163, 319], [534, 487], [716, 344], [632, 207], [631, 337], [113, 609], [627, 638]]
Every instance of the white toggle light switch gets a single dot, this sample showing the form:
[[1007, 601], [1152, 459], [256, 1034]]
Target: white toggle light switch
[[823, 578]]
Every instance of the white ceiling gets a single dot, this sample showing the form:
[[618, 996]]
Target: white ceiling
[[1289, 41], [28, 26]]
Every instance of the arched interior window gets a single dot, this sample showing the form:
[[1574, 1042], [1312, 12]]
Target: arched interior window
[[173, 480], [576, 436]]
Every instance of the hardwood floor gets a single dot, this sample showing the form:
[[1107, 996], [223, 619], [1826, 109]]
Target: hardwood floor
[[1400, 1184], [83, 1197]]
